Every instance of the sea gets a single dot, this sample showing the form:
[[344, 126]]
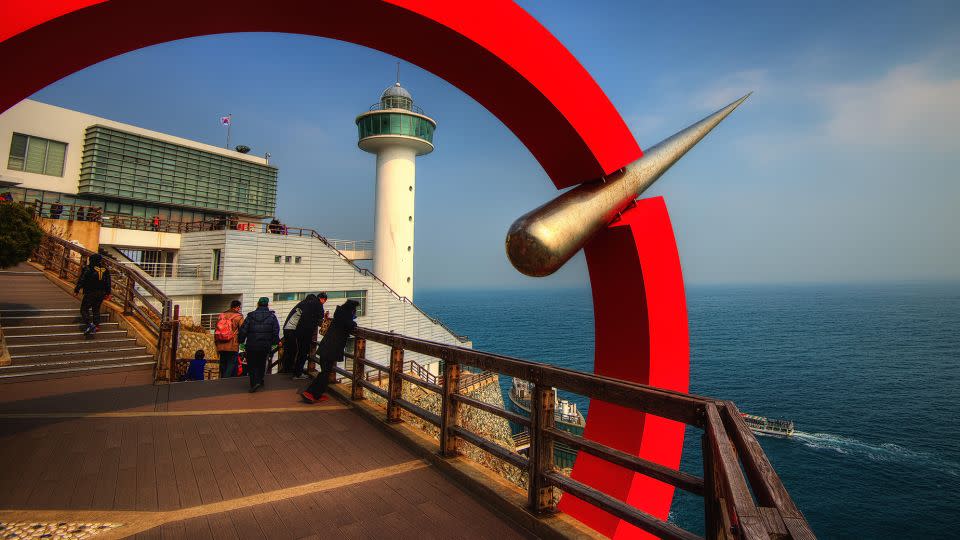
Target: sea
[[870, 374]]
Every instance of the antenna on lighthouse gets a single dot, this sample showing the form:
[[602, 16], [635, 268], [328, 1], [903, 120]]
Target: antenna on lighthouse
[[398, 73]]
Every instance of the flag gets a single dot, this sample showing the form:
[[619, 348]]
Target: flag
[[225, 120]]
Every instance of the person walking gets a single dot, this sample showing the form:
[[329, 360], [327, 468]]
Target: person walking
[[330, 350], [306, 332], [299, 330], [289, 354], [260, 331], [95, 283], [227, 338]]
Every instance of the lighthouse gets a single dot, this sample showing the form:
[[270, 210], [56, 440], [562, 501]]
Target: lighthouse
[[397, 131]]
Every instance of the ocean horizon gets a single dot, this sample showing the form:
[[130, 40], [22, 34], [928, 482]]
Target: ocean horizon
[[867, 371]]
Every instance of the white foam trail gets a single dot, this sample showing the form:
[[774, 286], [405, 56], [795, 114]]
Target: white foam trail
[[885, 452]]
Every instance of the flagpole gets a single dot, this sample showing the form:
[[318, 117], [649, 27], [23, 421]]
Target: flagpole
[[229, 125]]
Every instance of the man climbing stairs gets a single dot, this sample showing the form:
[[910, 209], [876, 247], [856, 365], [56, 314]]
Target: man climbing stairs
[[43, 337]]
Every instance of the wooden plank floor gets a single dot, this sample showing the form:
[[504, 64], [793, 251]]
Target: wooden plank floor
[[210, 460]]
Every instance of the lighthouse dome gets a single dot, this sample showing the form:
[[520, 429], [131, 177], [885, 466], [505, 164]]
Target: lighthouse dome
[[396, 97]]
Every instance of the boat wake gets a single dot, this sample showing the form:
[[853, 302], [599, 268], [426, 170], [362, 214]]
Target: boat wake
[[885, 452]]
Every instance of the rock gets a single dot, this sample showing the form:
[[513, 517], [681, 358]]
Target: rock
[[489, 426], [191, 342]]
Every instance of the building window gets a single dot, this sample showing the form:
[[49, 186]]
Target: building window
[[215, 267], [297, 260], [36, 155], [276, 259], [287, 259], [359, 296]]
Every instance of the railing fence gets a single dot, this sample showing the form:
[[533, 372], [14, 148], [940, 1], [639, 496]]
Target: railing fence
[[743, 496]]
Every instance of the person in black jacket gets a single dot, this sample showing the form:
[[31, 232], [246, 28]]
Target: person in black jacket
[[330, 350], [306, 332], [291, 347], [260, 331], [95, 283]]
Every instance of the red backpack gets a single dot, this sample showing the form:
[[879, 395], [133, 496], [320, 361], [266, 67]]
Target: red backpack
[[225, 330]]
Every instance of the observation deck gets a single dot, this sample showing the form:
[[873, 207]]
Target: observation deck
[[113, 454], [395, 120]]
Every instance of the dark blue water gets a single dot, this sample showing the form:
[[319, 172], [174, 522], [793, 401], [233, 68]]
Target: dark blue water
[[869, 373]]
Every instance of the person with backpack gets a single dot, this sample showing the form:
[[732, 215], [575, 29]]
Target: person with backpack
[[227, 339], [95, 283], [260, 331]]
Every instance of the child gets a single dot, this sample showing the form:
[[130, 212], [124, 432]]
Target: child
[[197, 365]]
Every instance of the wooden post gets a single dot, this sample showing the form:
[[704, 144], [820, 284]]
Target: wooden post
[[539, 495], [359, 353], [174, 340], [128, 295], [449, 409], [710, 499], [395, 385], [65, 260]]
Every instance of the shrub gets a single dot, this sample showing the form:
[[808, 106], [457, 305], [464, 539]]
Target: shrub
[[19, 234]]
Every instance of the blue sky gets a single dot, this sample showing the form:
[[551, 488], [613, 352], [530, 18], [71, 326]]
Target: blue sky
[[841, 167]]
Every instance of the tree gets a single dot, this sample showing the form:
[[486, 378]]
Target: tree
[[19, 234]]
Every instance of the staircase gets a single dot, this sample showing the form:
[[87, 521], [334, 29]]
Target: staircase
[[42, 332]]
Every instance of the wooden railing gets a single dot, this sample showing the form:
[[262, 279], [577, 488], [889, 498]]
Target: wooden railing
[[468, 380], [753, 505], [138, 297]]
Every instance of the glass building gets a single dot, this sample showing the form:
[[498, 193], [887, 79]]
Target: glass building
[[140, 169]]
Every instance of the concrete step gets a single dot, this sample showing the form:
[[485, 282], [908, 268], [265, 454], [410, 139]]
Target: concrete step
[[62, 373], [54, 330], [74, 364], [72, 335], [60, 354], [21, 312], [77, 343], [49, 319]]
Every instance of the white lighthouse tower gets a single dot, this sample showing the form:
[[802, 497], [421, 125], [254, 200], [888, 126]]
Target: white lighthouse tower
[[397, 132]]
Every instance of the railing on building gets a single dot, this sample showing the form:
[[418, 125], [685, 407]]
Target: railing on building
[[380, 106], [138, 298], [743, 496], [171, 270], [351, 245]]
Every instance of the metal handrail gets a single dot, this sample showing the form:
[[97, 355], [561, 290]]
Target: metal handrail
[[351, 245], [170, 270], [743, 496], [379, 106]]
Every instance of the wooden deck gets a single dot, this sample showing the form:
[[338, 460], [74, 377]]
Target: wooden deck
[[210, 460], [110, 455]]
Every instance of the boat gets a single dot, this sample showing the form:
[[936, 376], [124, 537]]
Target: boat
[[566, 417], [769, 426]]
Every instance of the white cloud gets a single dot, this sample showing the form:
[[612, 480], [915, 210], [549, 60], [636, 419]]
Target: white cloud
[[909, 105]]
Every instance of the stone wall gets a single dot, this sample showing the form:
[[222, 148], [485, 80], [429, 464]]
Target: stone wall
[[192, 340]]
